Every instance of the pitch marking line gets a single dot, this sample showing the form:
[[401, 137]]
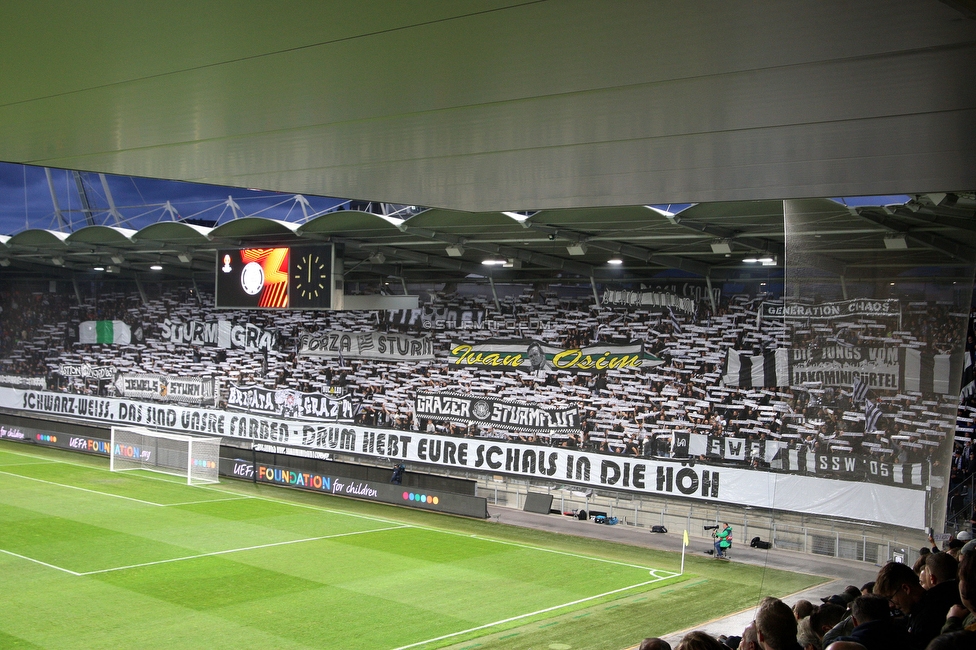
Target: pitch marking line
[[443, 531], [30, 559], [194, 557], [119, 496], [23, 464], [237, 550], [75, 487], [196, 503], [523, 616], [384, 520]]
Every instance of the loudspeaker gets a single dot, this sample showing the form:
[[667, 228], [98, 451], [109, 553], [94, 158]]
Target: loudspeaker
[[758, 543]]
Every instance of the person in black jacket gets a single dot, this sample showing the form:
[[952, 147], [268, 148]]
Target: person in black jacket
[[926, 610], [874, 627]]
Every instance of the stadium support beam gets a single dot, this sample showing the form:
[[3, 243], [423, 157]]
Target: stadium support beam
[[448, 263], [614, 246], [112, 210], [142, 292], [887, 221], [541, 259], [756, 243], [494, 294], [83, 195], [54, 200]]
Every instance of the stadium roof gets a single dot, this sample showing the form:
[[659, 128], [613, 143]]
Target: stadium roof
[[578, 114]]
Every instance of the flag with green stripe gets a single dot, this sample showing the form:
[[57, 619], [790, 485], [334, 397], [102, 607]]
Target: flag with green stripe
[[104, 331]]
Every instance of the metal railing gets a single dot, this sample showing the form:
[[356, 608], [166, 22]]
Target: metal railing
[[825, 536]]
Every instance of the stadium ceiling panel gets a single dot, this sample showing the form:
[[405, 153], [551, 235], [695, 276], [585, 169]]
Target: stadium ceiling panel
[[546, 137], [501, 105]]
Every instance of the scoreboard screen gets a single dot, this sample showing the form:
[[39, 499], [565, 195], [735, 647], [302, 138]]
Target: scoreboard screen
[[281, 277]]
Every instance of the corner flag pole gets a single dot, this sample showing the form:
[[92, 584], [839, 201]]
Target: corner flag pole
[[684, 545]]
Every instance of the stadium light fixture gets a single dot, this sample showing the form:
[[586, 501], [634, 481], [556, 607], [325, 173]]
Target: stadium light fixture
[[184, 257], [156, 267], [99, 268], [455, 250], [721, 246], [579, 248], [58, 261], [490, 262], [616, 261], [4, 262]]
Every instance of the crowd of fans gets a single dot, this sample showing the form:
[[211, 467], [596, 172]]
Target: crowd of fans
[[931, 606], [625, 412]]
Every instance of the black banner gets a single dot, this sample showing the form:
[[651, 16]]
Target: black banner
[[504, 414], [290, 403], [437, 501]]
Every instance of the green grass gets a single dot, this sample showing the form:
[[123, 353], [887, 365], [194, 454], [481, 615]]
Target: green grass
[[92, 559]]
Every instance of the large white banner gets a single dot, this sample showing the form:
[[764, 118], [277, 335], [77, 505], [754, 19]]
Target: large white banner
[[220, 334], [887, 504], [378, 346]]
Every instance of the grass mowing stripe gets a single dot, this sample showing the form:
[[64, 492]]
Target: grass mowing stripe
[[393, 521], [568, 554], [654, 572], [444, 531], [75, 487], [235, 550], [30, 559], [197, 503], [530, 614]]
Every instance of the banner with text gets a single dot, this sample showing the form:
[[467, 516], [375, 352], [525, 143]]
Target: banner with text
[[529, 356], [801, 493], [23, 382], [832, 310], [289, 403], [86, 371], [221, 334], [841, 365], [504, 414], [192, 390], [649, 299], [377, 346]]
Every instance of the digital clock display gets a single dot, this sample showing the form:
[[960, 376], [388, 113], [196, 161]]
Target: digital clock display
[[279, 277]]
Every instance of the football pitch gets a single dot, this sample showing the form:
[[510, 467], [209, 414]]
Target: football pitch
[[95, 559]]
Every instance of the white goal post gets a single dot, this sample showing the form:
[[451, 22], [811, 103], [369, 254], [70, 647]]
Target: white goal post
[[195, 457]]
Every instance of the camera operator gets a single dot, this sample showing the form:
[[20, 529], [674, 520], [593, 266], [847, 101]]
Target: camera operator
[[723, 539]]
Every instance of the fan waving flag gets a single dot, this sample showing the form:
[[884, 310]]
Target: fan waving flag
[[872, 413], [859, 391], [104, 331], [675, 323]]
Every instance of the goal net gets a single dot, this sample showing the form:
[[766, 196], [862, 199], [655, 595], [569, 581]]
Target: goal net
[[194, 457]]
